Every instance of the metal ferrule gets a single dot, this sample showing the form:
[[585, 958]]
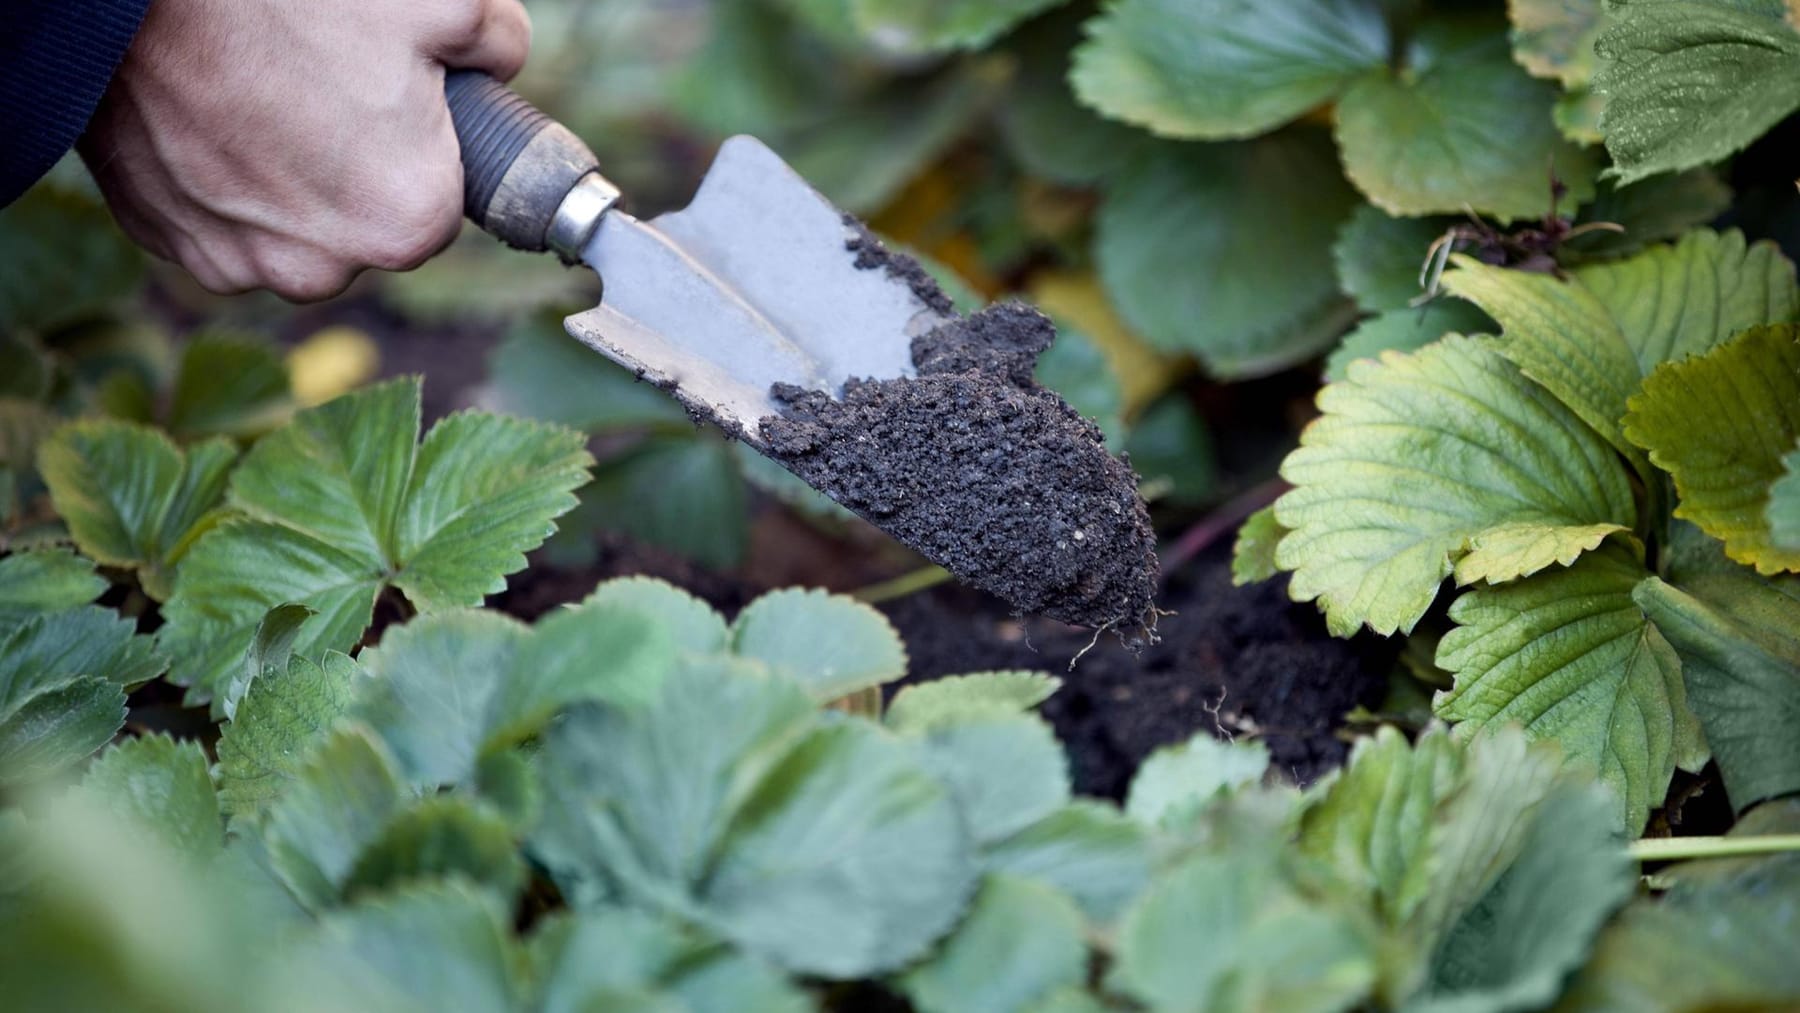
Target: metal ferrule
[[579, 216]]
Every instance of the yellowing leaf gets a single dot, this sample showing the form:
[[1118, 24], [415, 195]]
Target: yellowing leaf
[[1416, 458], [1555, 38], [332, 362], [1720, 423]]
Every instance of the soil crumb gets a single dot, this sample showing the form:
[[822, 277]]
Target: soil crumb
[[871, 254], [984, 472]]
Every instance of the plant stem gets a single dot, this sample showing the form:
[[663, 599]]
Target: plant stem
[[903, 585], [1668, 849], [1221, 522]]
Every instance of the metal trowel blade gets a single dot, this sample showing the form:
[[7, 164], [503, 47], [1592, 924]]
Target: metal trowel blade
[[754, 283]]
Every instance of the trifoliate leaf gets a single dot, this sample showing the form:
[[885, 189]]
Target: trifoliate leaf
[[285, 713], [925, 26], [1379, 257], [1230, 930], [833, 645], [1020, 941], [1688, 82], [1253, 551], [432, 946], [1087, 849], [131, 497], [1006, 771], [45, 580], [1719, 424], [1414, 460], [344, 502], [1411, 143], [440, 837], [66, 260], [1555, 38], [1784, 505], [1177, 781], [828, 849], [1514, 949], [592, 958], [446, 688], [228, 385], [1404, 330], [1224, 68], [162, 787], [953, 698], [1739, 641], [339, 801], [1269, 209], [1568, 655], [693, 624]]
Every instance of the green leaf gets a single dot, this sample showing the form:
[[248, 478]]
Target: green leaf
[[338, 803], [1177, 781], [1515, 948], [66, 261], [26, 369], [924, 705], [55, 727], [1213, 69], [282, 717], [1229, 931], [1075, 368], [1020, 941], [161, 786], [229, 385], [925, 26], [1657, 209], [1046, 130], [1783, 512], [1461, 126], [45, 580], [1554, 39], [440, 837], [1087, 849], [1171, 447], [1568, 655], [1688, 82], [593, 959], [1253, 551], [540, 372], [1404, 330], [130, 496], [1739, 641], [826, 848], [446, 688], [698, 485], [343, 502], [1719, 424], [833, 645], [1400, 480], [1379, 257], [48, 650], [271, 648], [1269, 209], [1006, 771], [435, 946], [693, 624]]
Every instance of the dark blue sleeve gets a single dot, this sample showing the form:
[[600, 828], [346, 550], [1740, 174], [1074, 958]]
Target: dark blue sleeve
[[56, 58]]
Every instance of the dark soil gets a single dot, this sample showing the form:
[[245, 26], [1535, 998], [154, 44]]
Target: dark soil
[[1243, 662], [984, 472], [871, 254]]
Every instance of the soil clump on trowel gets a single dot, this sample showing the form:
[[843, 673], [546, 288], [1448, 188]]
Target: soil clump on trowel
[[983, 471]]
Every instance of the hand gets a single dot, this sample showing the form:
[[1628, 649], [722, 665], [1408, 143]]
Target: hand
[[289, 146]]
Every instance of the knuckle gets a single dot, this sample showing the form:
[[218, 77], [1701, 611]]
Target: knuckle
[[419, 223], [300, 275]]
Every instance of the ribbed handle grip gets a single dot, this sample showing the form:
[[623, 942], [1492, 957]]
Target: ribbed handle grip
[[518, 164]]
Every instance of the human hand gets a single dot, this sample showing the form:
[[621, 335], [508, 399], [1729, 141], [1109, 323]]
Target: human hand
[[290, 146]]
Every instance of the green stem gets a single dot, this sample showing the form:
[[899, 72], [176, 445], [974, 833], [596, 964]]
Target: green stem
[[1670, 849], [903, 585]]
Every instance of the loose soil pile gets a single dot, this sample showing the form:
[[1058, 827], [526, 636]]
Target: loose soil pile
[[984, 472]]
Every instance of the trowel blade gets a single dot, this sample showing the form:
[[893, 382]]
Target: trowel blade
[[754, 283]]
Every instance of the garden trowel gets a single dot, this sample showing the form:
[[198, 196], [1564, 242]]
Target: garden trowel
[[757, 282]]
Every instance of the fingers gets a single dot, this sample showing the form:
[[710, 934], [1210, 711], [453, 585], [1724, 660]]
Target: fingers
[[490, 35]]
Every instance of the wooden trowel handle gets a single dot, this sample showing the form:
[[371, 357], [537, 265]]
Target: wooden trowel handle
[[527, 180]]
